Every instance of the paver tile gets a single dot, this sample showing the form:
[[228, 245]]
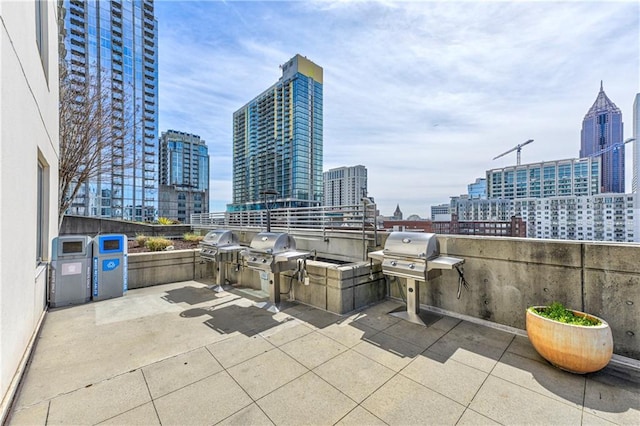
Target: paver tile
[[354, 374], [471, 418], [313, 349], [178, 371], [347, 333], [389, 351], [404, 402], [266, 372], [360, 417], [542, 378], [308, 400], [30, 416], [286, 332], [239, 348], [445, 376], [101, 401], [251, 415], [142, 415], [508, 403], [616, 403], [205, 402], [415, 334]]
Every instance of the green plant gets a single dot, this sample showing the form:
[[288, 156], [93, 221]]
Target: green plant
[[165, 221], [157, 243], [141, 240], [557, 312], [193, 238]]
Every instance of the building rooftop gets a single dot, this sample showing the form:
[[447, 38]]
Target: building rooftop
[[183, 354]]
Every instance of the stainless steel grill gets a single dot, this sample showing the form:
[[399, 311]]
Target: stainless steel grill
[[412, 255], [222, 247], [273, 253]]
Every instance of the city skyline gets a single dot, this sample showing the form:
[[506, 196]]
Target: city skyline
[[463, 81]]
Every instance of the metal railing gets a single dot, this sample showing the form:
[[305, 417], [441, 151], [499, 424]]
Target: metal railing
[[360, 217]]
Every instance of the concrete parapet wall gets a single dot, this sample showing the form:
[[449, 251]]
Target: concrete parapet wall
[[507, 275], [81, 225], [149, 269]]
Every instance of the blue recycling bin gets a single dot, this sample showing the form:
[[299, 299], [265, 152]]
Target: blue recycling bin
[[70, 270], [109, 266]]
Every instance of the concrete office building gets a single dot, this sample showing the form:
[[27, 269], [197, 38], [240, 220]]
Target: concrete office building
[[277, 142], [440, 212], [116, 44], [28, 178], [601, 130], [345, 186], [579, 177], [184, 175]]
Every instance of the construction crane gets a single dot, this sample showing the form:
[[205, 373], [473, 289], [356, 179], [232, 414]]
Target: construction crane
[[517, 148], [609, 148]]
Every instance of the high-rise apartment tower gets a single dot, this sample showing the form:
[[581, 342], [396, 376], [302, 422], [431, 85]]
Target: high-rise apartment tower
[[115, 43], [277, 142], [345, 186], [601, 130], [636, 167], [184, 175]]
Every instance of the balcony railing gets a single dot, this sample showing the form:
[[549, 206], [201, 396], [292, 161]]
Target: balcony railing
[[324, 218]]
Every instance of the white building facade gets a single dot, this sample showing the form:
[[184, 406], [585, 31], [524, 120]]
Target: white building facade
[[28, 177], [577, 176], [345, 186]]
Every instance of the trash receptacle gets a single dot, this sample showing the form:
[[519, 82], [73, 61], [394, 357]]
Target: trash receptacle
[[109, 266], [70, 278]]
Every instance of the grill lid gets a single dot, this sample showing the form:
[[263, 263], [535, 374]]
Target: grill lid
[[220, 238], [412, 244], [272, 243]]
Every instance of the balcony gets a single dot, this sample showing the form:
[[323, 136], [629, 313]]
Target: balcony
[[182, 354], [172, 351]]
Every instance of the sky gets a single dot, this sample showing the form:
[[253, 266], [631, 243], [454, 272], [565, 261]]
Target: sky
[[423, 94]]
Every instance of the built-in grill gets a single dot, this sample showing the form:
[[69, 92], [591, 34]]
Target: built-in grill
[[413, 255], [272, 253], [222, 247]]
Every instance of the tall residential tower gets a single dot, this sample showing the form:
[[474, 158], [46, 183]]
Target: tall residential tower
[[277, 141], [345, 186], [184, 176], [115, 44], [601, 131]]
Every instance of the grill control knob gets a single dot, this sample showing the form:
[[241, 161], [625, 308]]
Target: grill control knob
[[411, 266], [264, 260], [394, 263], [253, 259]]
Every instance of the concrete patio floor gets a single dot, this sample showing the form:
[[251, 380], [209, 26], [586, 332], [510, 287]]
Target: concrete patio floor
[[183, 354]]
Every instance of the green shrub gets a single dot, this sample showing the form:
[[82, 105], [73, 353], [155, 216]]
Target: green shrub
[[193, 238], [557, 312], [141, 240], [157, 243], [166, 221]]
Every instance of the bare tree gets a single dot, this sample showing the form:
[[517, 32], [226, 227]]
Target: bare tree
[[96, 127]]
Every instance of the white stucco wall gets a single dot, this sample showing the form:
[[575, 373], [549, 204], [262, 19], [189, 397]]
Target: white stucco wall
[[28, 132]]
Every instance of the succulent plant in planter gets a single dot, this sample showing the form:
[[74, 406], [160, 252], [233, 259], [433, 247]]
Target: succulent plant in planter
[[571, 340]]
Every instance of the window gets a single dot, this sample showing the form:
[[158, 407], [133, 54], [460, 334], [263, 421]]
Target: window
[[42, 30], [42, 213]]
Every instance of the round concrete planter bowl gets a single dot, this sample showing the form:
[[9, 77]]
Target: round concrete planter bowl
[[574, 348]]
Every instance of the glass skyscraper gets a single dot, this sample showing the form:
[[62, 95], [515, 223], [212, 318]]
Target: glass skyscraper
[[277, 141], [184, 175], [601, 129], [115, 43]]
